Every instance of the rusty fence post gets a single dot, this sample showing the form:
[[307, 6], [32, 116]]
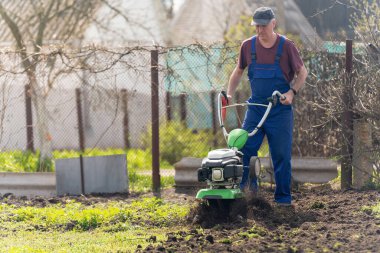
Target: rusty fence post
[[183, 108], [29, 119], [78, 95], [347, 118], [155, 122], [124, 97], [168, 106]]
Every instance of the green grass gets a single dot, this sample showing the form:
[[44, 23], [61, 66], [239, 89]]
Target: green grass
[[92, 241], [148, 212], [375, 210], [139, 163], [25, 161], [74, 227], [18, 161], [143, 183]]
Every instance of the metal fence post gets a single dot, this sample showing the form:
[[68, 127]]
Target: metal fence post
[[347, 117], [124, 95], [213, 112], [183, 108], [155, 122], [80, 119], [78, 94], [29, 119]]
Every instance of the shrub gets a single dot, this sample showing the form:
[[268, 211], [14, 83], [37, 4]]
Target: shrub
[[177, 141], [19, 161]]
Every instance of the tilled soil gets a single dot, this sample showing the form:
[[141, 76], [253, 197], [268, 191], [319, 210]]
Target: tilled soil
[[88, 200], [320, 220]]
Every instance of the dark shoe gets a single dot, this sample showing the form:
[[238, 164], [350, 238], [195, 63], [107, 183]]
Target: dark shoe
[[282, 204]]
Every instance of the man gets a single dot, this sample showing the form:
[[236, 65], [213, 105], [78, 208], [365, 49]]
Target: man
[[273, 64]]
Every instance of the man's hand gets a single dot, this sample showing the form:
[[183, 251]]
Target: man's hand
[[297, 85], [289, 95]]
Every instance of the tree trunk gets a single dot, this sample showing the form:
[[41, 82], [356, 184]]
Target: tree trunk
[[361, 160], [42, 119]]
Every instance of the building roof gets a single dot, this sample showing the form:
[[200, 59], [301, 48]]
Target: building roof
[[205, 21], [209, 20]]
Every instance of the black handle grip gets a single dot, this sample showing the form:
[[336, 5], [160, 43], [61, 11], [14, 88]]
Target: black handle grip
[[274, 99], [224, 95]]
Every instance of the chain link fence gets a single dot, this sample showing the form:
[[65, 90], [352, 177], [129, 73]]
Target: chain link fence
[[97, 99]]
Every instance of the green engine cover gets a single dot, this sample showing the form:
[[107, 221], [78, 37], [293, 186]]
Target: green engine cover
[[219, 194], [237, 138]]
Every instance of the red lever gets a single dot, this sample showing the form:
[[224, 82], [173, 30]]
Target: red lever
[[224, 110]]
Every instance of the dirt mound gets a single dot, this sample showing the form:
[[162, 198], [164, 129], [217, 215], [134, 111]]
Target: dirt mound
[[208, 213]]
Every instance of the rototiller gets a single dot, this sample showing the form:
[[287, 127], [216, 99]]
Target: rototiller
[[222, 169]]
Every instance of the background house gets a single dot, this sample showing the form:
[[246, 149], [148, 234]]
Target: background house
[[135, 22]]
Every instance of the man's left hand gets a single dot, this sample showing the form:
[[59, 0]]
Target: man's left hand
[[289, 95]]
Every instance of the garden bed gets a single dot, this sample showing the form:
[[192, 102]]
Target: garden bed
[[322, 220]]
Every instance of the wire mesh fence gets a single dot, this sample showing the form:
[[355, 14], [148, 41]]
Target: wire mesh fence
[[97, 99]]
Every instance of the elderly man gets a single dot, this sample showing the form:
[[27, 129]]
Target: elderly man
[[273, 64]]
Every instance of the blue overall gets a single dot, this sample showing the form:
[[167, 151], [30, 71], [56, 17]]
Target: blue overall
[[264, 79]]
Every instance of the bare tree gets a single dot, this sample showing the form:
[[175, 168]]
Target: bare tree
[[366, 125], [35, 25], [4, 101], [363, 90]]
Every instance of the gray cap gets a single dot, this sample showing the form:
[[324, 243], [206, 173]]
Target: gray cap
[[262, 16]]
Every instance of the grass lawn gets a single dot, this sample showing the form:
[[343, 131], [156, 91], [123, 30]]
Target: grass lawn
[[75, 241], [72, 226]]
